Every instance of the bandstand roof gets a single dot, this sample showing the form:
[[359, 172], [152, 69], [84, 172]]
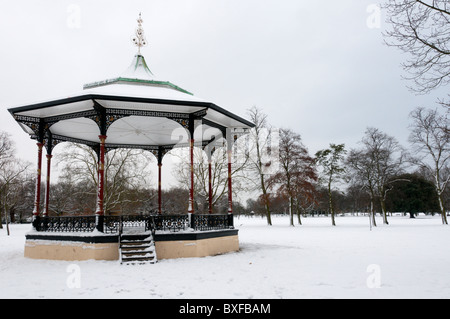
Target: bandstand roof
[[133, 110]]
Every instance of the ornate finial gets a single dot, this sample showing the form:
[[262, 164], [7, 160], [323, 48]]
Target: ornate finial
[[139, 40]]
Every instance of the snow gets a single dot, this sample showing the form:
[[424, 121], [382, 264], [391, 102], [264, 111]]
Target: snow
[[138, 69], [142, 91], [407, 259]]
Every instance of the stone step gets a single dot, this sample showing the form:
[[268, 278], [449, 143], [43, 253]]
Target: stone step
[[137, 249]]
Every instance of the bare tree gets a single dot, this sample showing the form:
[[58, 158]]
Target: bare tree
[[362, 171], [297, 174], [125, 170], [260, 163], [219, 176], [81, 198], [332, 162], [387, 158], [421, 29], [431, 142], [373, 165], [6, 148], [12, 177], [13, 174], [174, 200], [219, 173]]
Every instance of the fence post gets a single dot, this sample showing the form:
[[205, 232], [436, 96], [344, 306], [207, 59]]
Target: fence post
[[230, 221], [191, 220], [45, 220]]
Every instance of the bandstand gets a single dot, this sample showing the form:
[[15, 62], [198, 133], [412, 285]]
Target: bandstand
[[133, 110]]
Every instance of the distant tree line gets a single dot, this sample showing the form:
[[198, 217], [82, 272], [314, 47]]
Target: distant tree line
[[379, 176]]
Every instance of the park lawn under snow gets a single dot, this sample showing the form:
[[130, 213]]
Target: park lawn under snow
[[407, 259]]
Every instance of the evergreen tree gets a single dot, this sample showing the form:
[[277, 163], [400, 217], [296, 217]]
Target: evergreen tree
[[412, 194], [331, 161]]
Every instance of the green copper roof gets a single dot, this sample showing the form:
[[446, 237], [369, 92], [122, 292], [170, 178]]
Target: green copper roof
[[138, 73], [138, 68], [134, 81]]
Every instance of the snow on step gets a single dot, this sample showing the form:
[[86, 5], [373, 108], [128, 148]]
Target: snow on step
[[137, 249]]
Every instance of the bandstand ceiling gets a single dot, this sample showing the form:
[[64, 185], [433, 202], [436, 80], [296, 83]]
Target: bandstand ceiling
[[140, 130], [79, 128]]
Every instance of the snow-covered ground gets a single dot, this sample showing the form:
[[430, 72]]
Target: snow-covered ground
[[409, 258]]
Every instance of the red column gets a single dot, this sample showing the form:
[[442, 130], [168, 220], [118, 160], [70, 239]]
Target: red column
[[230, 193], [159, 189], [47, 186], [191, 191], [101, 184], [209, 184], [37, 194]]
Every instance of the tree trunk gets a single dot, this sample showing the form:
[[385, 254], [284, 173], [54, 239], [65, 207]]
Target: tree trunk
[[298, 213], [333, 222], [383, 209], [443, 212], [372, 212], [291, 213], [6, 220], [299, 219], [266, 200], [269, 218]]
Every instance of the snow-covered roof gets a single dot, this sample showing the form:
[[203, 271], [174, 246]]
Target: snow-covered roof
[[138, 73], [140, 110], [138, 69]]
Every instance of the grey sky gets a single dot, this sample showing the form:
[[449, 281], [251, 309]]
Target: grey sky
[[313, 66]]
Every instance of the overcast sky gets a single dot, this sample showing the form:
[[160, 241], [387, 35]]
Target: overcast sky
[[317, 67]]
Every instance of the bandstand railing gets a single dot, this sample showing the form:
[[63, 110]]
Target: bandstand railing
[[66, 224], [117, 224]]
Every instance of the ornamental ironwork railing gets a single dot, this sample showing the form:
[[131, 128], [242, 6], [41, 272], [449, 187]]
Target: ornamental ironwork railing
[[211, 222], [118, 224], [173, 223], [67, 224]]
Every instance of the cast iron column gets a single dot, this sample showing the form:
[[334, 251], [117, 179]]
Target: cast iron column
[[209, 183], [159, 189], [99, 214], [160, 155], [191, 191], [47, 186], [230, 191], [37, 194]]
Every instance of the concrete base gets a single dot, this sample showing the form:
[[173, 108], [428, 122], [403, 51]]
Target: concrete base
[[71, 246], [70, 251], [77, 247], [217, 243]]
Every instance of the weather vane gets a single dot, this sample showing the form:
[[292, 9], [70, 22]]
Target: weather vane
[[139, 39]]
